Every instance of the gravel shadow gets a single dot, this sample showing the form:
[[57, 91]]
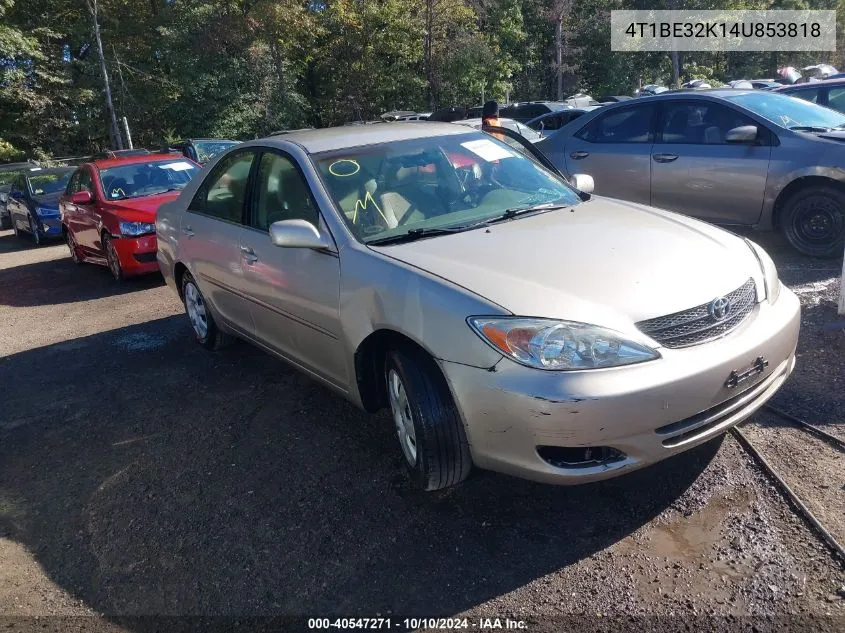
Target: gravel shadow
[[154, 477]]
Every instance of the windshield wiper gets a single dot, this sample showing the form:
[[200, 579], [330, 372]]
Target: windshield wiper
[[515, 211], [415, 234], [810, 128]]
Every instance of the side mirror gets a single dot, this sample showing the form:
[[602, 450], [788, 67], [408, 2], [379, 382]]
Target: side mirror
[[82, 197], [583, 183], [297, 234], [742, 134]]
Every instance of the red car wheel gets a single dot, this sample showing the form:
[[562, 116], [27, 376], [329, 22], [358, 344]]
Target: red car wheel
[[112, 258]]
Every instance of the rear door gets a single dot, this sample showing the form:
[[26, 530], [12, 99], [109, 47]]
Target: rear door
[[86, 217], [695, 171], [294, 292], [17, 204], [211, 231], [615, 149]]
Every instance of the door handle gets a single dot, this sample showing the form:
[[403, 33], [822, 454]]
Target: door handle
[[248, 254], [187, 231], [578, 155], [664, 158]]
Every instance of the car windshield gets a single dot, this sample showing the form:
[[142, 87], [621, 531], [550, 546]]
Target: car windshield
[[446, 182], [206, 150], [789, 112], [146, 179], [48, 183]]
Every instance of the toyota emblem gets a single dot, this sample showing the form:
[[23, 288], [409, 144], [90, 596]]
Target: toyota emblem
[[720, 308]]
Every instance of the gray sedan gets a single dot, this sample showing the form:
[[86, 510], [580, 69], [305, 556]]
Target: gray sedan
[[506, 319], [736, 157]]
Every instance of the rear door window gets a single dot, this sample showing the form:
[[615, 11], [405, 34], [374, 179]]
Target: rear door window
[[223, 193]]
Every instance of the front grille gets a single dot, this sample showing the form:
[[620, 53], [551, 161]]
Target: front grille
[[697, 325]]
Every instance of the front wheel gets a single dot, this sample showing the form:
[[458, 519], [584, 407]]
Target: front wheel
[[112, 259], [33, 228], [73, 248], [15, 228], [202, 322], [813, 221], [430, 432]]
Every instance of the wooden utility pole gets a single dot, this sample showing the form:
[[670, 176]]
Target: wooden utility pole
[[114, 131]]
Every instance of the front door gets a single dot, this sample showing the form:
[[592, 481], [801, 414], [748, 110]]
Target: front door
[[615, 149], [210, 233], [696, 172], [294, 292]]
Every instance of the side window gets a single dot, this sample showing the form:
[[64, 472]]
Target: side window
[[700, 123], [223, 193], [281, 193], [810, 94], [630, 125], [836, 99], [73, 184], [85, 182]]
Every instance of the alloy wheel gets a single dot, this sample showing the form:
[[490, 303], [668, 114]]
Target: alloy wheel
[[195, 307], [113, 261], [71, 244], [33, 227], [400, 407]]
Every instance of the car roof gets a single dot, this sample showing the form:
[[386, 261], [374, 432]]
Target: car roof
[[812, 84], [478, 121], [334, 138], [106, 163]]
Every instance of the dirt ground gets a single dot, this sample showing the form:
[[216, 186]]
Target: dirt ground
[[143, 476]]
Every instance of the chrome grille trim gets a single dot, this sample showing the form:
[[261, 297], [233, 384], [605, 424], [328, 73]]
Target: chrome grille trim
[[696, 325]]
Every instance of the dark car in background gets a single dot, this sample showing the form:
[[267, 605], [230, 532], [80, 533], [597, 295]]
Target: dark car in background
[[33, 203], [738, 157], [553, 121], [829, 93], [202, 150], [8, 173]]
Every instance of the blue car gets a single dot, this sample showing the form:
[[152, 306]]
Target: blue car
[[33, 203]]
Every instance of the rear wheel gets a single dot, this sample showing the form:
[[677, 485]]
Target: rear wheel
[[205, 329], [430, 432], [112, 259], [813, 221]]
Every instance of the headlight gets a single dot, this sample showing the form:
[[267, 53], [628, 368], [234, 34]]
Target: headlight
[[137, 228], [770, 271], [559, 345], [41, 211]]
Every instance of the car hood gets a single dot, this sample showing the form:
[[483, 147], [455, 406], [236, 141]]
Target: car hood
[[140, 209], [832, 135], [48, 202], [606, 262]]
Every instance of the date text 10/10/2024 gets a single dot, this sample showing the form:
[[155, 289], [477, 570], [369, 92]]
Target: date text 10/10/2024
[[446, 624]]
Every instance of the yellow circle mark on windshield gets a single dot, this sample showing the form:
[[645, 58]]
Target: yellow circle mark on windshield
[[344, 167]]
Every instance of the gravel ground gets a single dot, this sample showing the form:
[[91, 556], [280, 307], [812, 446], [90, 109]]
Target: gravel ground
[[143, 476]]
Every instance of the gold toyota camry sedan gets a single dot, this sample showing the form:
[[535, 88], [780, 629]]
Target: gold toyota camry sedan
[[508, 319]]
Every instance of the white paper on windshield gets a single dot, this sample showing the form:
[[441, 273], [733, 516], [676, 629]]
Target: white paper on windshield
[[488, 150], [178, 166]]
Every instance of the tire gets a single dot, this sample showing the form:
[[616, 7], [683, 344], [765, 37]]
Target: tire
[[75, 257], [813, 221], [438, 454], [33, 228], [202, 322], [17, 232], [112, 260], [5, 222]]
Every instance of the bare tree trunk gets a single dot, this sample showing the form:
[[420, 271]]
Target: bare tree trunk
[[559, 56], [676, 68], [429, 36], [114, 131]]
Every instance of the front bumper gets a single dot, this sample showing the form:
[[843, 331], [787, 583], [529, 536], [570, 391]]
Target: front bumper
[[642, 413], [137, 255], [50, 225]]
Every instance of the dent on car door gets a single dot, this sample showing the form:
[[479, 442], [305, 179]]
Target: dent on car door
[[210, 232], [294, 292], [615, 149], [697, 171]]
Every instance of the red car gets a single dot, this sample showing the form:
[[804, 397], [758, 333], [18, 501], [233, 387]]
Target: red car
[[109, 209]]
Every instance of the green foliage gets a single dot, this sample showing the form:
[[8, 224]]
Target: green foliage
[[245, 68]]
